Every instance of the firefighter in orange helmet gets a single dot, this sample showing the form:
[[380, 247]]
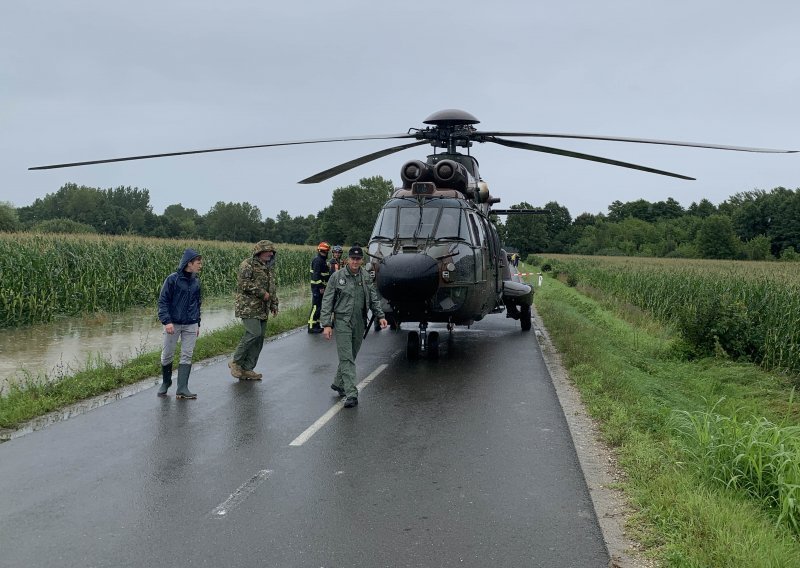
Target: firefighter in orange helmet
[[319, 279]]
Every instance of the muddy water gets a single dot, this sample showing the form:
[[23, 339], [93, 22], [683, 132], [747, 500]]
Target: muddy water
[[61, 348]]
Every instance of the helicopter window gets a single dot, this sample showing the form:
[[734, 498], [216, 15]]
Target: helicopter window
[[451, 225], [385, 225], [477, 235], [417, 222]]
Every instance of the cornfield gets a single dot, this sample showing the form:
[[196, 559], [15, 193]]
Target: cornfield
[[748, 310], [46, 276]]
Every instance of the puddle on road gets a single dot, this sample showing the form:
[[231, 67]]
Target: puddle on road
[[63, 347]]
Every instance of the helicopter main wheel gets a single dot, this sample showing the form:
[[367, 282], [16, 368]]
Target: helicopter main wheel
[[412, 348], [433, 345], [525, 318]]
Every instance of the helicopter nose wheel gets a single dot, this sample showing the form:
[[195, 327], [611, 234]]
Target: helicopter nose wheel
[[422, 342]]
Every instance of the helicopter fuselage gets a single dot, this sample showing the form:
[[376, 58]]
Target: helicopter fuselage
[[436, 257]]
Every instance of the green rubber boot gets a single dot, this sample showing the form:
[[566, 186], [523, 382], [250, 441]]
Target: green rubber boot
[[166, 379], [183, 382]]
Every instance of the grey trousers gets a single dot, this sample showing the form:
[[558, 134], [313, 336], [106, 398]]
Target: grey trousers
[[187, 335], [246, 354]]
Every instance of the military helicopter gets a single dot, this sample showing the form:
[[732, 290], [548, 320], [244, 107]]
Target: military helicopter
[[434, 253]]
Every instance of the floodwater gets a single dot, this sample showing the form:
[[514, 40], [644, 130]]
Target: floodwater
[[61, 348]]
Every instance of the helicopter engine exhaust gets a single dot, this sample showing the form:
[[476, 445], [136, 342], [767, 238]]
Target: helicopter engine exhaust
[[451, 174], [408, 278], [414, 171]]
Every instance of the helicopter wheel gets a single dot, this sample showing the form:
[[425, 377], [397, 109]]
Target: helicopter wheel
[[433, 345], [412, 348], [525, 318]]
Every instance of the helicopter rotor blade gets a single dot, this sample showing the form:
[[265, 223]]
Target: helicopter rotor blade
[[336, 170], [638, 141], [559, 152], [167, 154]]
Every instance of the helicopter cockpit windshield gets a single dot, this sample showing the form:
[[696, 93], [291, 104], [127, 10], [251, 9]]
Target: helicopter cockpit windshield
[[409, 221]]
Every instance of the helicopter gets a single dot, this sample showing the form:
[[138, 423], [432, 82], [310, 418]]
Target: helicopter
[[434, 253]]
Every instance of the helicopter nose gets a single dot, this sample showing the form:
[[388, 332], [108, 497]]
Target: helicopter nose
[[408, 277]]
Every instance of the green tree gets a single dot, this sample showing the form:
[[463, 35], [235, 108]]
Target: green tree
[[353, 210], [527, 233], [9, 219], [716, 238], [233, 222], [703, 209]]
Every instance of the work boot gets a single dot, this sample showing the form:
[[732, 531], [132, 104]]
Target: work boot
[[236, 370], [339, 390], [166, 379], [251, 376], [350, 402], [183, 382]]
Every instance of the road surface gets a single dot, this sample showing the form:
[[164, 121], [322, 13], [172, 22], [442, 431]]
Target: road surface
[[465, 461]]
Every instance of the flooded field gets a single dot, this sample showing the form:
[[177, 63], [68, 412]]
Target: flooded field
[[60, 348]]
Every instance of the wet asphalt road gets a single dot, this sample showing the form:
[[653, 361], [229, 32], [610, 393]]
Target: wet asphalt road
[[465, 461]]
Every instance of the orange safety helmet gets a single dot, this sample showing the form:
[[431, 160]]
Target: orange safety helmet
[[323, 246]]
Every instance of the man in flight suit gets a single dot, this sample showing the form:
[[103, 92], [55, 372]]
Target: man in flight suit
[[350, 293]]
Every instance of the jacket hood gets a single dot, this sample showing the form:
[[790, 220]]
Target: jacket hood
[[263, 246], [188, 255]]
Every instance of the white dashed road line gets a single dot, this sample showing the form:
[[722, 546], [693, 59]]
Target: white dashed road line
[[325, 418], [241, 494]]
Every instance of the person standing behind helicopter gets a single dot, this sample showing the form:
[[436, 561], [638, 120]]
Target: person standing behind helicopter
[[336, 262], [319, 279]]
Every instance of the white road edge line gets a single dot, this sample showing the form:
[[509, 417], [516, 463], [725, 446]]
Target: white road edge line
[[241, 494], [325, 418]]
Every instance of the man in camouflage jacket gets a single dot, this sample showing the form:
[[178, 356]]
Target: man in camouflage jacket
[[256, 299]]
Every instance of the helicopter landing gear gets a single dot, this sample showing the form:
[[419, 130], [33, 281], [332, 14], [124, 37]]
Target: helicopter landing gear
[[433, 345], [422, 342], [525, 317], [412, 347]]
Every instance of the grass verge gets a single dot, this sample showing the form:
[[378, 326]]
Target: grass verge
[[635, 381], [36, 398]]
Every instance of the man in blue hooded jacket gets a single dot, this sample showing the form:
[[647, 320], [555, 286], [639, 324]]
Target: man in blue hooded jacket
[[179, 312]]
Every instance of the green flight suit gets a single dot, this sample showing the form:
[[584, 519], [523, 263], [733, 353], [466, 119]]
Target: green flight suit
[[347, 298]]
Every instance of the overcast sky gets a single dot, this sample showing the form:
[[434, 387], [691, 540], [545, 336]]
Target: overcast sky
[[94, 79]]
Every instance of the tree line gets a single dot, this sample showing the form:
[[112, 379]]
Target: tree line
[[751, 225], [127, 211], [756, 225]]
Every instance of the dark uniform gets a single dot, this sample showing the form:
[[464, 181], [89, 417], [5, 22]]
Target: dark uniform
[[319, 279], [347, 298]]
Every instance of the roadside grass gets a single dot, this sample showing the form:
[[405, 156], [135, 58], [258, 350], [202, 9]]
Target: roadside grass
[[37, 396], [685, 432]]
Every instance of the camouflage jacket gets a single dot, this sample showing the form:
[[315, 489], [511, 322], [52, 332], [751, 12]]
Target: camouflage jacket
[[340, 294], [254, 280]]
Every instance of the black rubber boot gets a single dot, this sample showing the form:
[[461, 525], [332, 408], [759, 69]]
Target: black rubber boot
[[183, 382], [166, 379]]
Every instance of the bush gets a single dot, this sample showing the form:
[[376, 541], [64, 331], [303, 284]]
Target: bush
[[62, 226]]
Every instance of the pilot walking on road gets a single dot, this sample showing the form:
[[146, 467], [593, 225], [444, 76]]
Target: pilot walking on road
[[350, 293], [179, 311], [256, 299], [319, 279]]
